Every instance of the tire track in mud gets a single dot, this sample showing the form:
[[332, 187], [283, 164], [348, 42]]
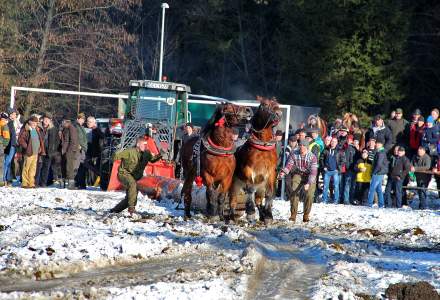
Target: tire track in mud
[[283, 271], [186, 267]]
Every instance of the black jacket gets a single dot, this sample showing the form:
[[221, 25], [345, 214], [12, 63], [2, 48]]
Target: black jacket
[[383, 134], [350, 157], [52, 141], [13, 134], [95, 146], [400, 167], [380, 164]]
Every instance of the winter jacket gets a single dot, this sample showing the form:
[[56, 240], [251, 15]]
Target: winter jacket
[[399, 129], [82, 137], [430, 136], [4, 133], [52, 141], [69, 140], [133, 162], [25, 141], [320, 142], [380, 164], [415, 136], [95, 146], [333, 159], [383, 133], [13, 142], [315, 149], [363, 176], [400, 167], [422, 163], [350, 157]]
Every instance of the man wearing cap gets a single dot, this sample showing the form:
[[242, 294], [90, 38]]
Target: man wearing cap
[[380, 131], [421, 163], [10, 148], [380, 169], [399, 129], [70, 150], [131, 169], [399, 169], [52, 159], [304, 167], [32, 145]]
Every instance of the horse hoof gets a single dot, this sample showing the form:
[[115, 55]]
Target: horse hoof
[[268, 221], [187, 218]]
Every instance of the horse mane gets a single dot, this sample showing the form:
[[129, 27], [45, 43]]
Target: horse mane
[[211, 122], [348, 119]]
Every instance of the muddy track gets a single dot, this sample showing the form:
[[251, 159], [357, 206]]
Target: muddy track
[[283, 272], [183, 268]]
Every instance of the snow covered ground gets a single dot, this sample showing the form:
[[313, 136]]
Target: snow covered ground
[[50, 234]]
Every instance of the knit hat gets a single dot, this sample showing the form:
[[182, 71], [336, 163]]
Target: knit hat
[[430, 119], [417, 112], [421, 119], [399, 111], [4, 115]]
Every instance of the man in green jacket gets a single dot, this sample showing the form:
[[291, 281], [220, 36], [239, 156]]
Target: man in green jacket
[[80, 170], [131, 169]]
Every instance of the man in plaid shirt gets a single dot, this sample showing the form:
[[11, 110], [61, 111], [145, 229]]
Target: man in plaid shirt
[[303, 165]]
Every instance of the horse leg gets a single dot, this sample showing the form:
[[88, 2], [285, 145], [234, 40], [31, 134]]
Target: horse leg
[[235, 190], [269, 200], [250, 204], [211, 197], [259, 202]]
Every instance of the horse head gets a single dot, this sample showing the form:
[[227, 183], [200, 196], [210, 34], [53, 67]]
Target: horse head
[[235, 114], [268, 114]]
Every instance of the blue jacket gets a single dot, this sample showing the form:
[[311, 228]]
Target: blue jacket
[[430, 136]]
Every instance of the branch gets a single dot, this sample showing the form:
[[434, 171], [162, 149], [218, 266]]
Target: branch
[[82, 10]]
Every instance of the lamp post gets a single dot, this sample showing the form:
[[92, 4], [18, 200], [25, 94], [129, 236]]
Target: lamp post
[[164, 6]]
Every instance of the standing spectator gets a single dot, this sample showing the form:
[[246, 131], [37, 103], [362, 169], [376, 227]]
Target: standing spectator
[[32, 145], [279, 147], [335, 128], [304, 167], [349, 176], [416, 131], [70, 150], [342, 135], [10, 148], [80, 177], [52, 159], [380, 131], [301, 135], [399, 128], [421, 163], [399, 169], [363, 169], [313, 145], [332, 161], [430, 136], [97, 141], [4, 139], [380, 169], [292, 144], [317, 138], [371, 147], [436, 170]]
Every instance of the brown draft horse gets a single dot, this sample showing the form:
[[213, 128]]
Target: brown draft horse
[[217, 161], [255, 174]]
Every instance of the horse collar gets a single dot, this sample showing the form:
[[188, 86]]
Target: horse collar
[[217, 150], [261, 145]]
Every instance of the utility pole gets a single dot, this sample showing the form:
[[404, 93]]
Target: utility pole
[[79, 87], [164, 6]]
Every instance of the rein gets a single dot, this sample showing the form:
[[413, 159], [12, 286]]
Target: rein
[[217, 150]]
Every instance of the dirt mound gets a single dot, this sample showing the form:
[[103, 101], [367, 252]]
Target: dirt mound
[[412, 291]]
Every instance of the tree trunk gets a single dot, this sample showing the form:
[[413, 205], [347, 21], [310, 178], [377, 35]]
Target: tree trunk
[[41, 56], [242, 46]]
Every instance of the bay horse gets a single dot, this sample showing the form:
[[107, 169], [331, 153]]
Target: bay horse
[[255, 174], [214, 165]]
